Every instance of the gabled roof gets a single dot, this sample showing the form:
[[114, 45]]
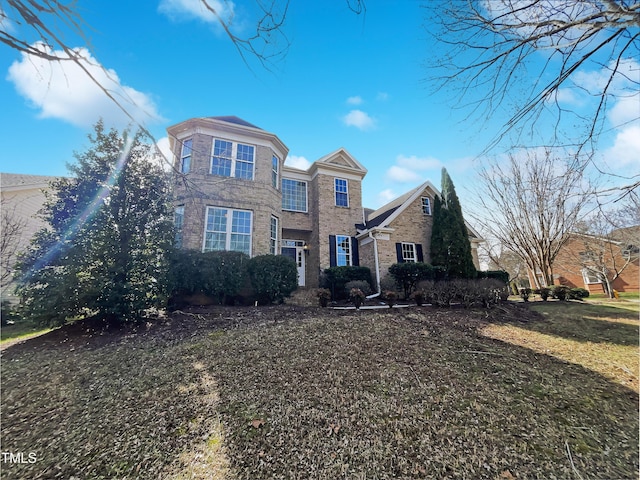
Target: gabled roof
[[20, 181], [382, 217], [235, 120]]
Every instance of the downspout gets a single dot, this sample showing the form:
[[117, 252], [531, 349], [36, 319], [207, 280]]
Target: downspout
[[375, 258]]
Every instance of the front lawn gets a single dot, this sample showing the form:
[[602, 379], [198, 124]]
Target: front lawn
[[289, 392]]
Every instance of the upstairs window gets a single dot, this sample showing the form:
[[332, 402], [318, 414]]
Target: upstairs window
[[342, 192], [426, 205], [294, 195], [274, 171], [232, 159], [185, 156]]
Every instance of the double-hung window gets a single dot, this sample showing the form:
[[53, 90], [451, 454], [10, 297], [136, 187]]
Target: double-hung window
[[409, 252], [426, 205], [343, 250], [227, 229], [274, 171], [342, 192], [178, 220], [232, 159], [294, 195], [590, 276], [185, 156], [273, 236]]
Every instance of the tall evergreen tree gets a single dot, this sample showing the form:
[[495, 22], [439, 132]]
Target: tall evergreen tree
[[110, 228], [450, 246]]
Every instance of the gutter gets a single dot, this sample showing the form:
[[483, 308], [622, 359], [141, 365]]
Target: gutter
[[375, 257]]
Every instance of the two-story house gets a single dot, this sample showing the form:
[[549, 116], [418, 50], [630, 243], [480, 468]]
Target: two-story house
[[235, 193]]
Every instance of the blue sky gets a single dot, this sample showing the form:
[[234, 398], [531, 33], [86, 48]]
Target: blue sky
[[347, 80]]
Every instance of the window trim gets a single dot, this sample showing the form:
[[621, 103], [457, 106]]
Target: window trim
[[586, 273], [184, 156], [349, 254], [336, 192], [178, 239], [228, 229], [306, 195], [233, 158], [427, 205], [273, 238], [414, 252], [275, 172]]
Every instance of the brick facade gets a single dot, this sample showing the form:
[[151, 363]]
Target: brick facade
[[311, 233]]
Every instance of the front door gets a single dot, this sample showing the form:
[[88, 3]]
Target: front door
[[294, 249]]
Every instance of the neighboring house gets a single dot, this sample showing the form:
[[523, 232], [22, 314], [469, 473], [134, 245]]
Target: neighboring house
[[592, 262], [22, 198], [235, 193]]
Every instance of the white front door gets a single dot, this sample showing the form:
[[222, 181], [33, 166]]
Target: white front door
[[294, 249]]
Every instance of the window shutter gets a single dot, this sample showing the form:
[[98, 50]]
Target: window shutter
[[419, 255], [332, 251], [399, 253], [355, 257]]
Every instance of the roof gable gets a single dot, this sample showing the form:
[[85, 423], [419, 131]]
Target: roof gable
[[342, 158]]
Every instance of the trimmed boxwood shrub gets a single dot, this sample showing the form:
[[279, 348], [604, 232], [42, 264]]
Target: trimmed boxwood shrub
[[578, 293], [561, 292], [494, 274], [219, 275], [407, 275], [361, 285], [335, 279], [273, 277]]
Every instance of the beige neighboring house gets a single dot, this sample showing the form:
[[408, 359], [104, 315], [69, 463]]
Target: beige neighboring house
[[22, 198], [235, 193]]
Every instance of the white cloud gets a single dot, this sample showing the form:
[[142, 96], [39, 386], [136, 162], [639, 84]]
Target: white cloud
[[402, 174], [196, 10], [359, 119], [357, 100], [625, 151], [626, 109], [295, 161], [63, 90], [382, 96], [385, 196], [418, 163], [166, 159]]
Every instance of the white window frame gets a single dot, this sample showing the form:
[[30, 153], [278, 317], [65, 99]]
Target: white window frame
[[345, 193], [274, 229], [426, 205], [590, 277], [275, 172], [306, 195], [178, 213], [409, 253], [228, 229], [348, 256], [186, 156], [233, 158]]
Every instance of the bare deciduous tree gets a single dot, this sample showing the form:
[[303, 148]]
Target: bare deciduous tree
[[11, 227], [530, 204], [526, 57]]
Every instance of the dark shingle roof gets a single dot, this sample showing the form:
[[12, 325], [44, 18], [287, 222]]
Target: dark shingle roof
[[235, 120]]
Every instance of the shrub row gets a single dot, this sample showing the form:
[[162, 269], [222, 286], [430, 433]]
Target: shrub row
[[484, 292], [224, 276], [559, 292]]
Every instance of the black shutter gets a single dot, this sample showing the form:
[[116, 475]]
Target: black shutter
[[399, 253], [355, 257], [332, 251], [419, 252]]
